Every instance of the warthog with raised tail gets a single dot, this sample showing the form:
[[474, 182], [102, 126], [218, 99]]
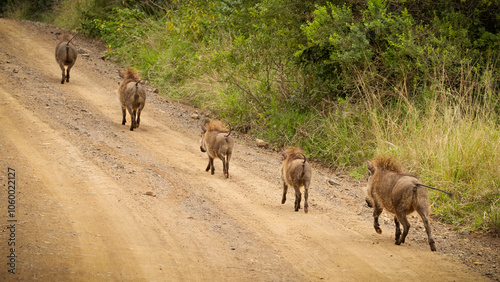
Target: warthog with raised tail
[[217, 143], [296, 172], [400, 194], [66, 55], [132, 96]]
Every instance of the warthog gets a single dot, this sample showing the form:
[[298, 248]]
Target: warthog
[[400, 194], [66, 55], [217, 143], [132, 96], [296, 172]]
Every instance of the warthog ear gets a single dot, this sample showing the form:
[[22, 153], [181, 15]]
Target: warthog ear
[[283, 155], [203, 129], [370, 167], [120, 74]]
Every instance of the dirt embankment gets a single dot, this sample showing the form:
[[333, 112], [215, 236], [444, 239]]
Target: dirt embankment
[[82, 213]]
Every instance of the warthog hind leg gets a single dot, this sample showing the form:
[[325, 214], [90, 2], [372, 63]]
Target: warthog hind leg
[[224, 166], [398, 229], [306, 195], [132, 117], [298, 198], [124, 112], [211, 164], [401, 215], [138, 118], [63, 72], [228, 157], [423, 214], [67, 74], [377, 210], [285, 188]]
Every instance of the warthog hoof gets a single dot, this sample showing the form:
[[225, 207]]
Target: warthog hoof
[[379, 231], [369, 204], [433, 247]]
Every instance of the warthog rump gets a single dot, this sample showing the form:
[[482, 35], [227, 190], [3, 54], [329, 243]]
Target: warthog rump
[[400, 194], [296, 172]]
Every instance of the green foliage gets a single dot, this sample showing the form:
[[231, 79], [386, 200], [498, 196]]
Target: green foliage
[[394, 46]]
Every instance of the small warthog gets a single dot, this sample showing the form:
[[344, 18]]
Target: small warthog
[[215, 140], [296, 172], [132, 96], [66, 55], [400, 194]]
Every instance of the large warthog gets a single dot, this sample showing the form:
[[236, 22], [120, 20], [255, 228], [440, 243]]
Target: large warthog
[[399, 193], [132, 96], [217, 143], [296, 172], [66, 55]]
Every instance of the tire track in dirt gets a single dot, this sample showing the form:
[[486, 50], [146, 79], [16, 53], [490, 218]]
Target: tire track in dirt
[[84, 175]]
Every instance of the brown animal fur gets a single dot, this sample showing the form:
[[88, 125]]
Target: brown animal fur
[[66, 55], [132, 96], [399, 193], [296, 172], [217, 143]]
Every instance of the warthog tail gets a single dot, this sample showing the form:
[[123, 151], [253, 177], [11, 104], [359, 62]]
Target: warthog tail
[[433, 188], [229, 131], [136, 95], [67, 44], [303, 163], [71, 39]]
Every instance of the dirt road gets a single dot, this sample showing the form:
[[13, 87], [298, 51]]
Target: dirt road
[[81, 212]]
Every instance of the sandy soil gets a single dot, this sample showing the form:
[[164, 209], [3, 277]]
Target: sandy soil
[[82, 213]]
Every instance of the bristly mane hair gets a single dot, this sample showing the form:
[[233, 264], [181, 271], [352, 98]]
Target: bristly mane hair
[[65, 37], [293, 152], [387, 163], [215, 125], [130, 75]]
